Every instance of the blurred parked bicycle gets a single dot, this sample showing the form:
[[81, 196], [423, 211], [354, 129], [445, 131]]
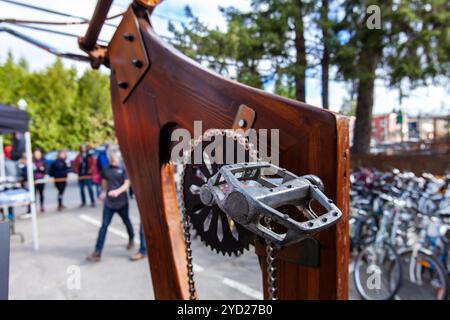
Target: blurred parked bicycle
[[400, 234]]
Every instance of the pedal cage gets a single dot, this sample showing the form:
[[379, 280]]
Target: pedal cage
[[251, 192]]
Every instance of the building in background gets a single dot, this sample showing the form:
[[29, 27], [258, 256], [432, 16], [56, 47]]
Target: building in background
[[389, 128], [397, 132], [429, 128]]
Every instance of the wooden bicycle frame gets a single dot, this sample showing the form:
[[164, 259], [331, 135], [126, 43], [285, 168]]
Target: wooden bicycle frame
[[168, 90]]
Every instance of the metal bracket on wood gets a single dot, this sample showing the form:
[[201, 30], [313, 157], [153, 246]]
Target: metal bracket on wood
[[306, 252], [127, 55], [97, 56], [245, 118]]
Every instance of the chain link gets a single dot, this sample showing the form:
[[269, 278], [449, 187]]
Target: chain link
[[271, 267], [270, 250], [190, 265]]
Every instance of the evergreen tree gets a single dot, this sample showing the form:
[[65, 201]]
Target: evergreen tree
[[408, 48], [65, 110]]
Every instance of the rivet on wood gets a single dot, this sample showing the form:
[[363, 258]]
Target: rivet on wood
[[242, 123], [123, 84], [128, 36], [137, 63]]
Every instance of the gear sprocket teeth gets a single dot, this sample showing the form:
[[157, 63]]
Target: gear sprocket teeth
[[236, 253], [193, 206]]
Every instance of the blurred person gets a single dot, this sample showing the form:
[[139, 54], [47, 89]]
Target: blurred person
[[18, 146], [22, 171], [102, 159], [131, 192], [115, 184], [7, 152], [59, 170], [84, 166], [97, 181], [23, 175], [102, 162], [142, 253], [39, 170]]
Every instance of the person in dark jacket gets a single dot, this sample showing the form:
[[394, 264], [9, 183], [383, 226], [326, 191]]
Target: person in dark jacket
[[39, 170], [84, 166], [59, 170], [115, 184]]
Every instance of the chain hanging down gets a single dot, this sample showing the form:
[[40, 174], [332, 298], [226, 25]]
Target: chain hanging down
[[271, 268], [270, 249], [190, 265]]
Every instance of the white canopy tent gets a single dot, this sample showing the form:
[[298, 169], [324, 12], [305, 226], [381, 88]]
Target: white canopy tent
[[13, 120]]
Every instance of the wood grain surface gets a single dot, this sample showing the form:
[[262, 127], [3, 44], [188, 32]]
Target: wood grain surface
[[177, 91]]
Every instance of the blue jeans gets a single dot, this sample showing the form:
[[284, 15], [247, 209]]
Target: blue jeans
[[86, 183], [108, 214], [98, 189], [142, 248]]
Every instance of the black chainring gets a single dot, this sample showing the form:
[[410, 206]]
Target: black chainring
[[214, 227]]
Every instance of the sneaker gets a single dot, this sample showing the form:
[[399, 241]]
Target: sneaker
[[82, 205], [42, 210], [130, 245], [93, 205], [137, 256], [94, 257]]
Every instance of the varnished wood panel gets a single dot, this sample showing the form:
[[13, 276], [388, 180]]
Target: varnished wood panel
[[178, 91]]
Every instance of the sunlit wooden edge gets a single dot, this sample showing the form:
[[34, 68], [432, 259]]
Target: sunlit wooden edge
[[173, 218]]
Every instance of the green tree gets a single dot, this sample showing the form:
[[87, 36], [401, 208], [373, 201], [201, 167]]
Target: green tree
[[411, 47], [235, 52], [12, 78], [348, 108], [282, 30], [267, 44], [51, 95], [93, 105], [325, 24], [65, 110]]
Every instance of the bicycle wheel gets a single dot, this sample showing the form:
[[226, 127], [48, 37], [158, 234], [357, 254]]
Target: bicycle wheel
[[363, 231], [424, 277], [377, 272]]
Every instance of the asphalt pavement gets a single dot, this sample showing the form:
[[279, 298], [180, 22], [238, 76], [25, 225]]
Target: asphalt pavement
[[59, 269]]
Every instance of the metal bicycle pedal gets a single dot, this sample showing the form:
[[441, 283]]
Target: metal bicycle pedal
[[252, 192]]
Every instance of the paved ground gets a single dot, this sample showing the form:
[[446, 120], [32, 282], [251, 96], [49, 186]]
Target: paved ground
[[66, 238]]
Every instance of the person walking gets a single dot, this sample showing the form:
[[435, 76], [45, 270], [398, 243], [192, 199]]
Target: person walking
[[142, 253], [39, 170], [59, 169], [115, 184], [84, 167]]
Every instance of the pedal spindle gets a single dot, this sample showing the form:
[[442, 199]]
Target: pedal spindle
[[250, 192]]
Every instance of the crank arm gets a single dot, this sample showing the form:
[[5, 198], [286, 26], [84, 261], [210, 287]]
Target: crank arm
[[250, 194]]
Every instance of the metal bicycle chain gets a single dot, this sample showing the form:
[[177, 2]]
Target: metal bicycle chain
[[271, 268], [270, 250]]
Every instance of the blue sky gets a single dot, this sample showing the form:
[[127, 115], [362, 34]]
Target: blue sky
[[431, 99]]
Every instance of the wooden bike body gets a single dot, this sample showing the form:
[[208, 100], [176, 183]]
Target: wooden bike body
[[169, 90]]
